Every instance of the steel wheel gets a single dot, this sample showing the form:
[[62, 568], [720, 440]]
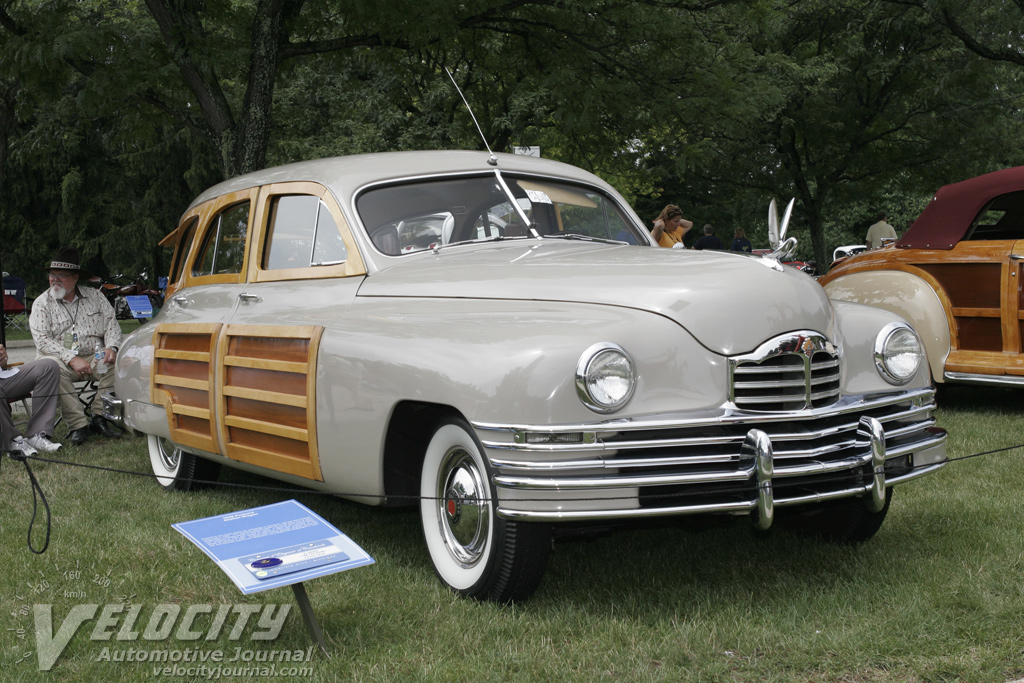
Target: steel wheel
[[473, 551], [175, 469]]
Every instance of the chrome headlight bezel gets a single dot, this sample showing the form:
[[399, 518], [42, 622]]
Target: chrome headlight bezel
[[601, 357], [887, 348]]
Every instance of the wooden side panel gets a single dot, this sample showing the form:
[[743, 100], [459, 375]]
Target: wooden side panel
[[182, 381], [267, 380], [974, 291]]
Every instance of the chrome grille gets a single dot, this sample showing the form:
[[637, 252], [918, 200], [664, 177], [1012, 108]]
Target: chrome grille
[[792, 372]]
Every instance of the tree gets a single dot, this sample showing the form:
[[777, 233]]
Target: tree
[[849, 96]]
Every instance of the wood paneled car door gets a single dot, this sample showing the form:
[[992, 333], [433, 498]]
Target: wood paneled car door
[[209, 268], [981, 278], [304, 270]]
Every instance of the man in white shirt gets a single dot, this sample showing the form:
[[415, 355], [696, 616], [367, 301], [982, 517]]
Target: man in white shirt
[[879, 230], [77, 326]]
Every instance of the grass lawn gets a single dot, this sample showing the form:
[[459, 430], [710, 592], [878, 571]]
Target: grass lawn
[[937, 595]]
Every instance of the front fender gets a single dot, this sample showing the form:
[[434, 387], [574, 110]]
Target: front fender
[[908, 296]]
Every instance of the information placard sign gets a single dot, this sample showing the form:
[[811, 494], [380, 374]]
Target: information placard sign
[[140, 305], [274, 545]]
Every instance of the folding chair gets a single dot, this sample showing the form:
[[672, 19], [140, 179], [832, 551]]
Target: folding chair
[[86, 392], [15, 311]]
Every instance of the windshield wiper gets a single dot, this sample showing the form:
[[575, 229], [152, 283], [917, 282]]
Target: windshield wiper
[[582, 237], [493, 238]]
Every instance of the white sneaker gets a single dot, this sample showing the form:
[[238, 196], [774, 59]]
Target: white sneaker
[[41, 442], [18, 443]]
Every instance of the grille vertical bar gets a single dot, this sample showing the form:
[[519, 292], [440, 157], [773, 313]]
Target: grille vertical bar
[[792, 372]]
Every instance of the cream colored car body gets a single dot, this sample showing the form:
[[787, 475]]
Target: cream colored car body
[[347, 377]]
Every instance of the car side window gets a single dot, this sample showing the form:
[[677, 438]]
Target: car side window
[[223, 249], [181, 250], [1001, 219], [301, 233]]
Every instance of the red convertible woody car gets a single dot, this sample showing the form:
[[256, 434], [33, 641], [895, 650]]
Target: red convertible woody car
[[956, 276]]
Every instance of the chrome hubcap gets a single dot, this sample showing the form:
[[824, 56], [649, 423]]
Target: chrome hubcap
[[169, 454], [462, 509]]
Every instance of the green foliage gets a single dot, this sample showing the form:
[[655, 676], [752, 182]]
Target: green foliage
[[113, 115]]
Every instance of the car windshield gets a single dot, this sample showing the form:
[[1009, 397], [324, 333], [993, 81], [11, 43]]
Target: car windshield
[[411, 217]]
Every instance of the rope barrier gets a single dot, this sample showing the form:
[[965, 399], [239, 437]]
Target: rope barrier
[[701, 492], [19, 456]]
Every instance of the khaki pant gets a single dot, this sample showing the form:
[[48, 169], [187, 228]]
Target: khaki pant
[[38, 379], [70, 407]]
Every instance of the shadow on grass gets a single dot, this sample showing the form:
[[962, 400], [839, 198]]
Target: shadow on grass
[[655, 568], [966, 398]]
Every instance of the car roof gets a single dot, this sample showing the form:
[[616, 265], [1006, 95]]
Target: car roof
[[946, 219], [345, 175]]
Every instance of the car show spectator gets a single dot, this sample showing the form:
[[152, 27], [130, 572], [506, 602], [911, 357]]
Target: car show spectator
[[708, 241], [740, 241], [670, 227], [878, 231], [38, 379], [77, 327]]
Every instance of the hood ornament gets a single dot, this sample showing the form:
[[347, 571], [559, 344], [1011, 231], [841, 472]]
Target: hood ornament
[[782, 248]]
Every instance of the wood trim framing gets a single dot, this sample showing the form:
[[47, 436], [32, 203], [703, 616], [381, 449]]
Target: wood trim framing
[[353, 264], [182, 381], [266, 393]]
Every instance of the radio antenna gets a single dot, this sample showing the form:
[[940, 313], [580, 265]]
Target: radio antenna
[[493, 160]]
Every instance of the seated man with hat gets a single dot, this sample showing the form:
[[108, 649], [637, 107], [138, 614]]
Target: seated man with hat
[[75, 325]]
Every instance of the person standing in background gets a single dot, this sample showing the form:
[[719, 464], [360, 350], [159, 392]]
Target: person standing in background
[[879, 229], [670, 227], [708, 241], [740, 241]]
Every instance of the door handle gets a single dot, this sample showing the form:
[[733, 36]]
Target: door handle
[[1017, 257], [181, 300], [246, 296]]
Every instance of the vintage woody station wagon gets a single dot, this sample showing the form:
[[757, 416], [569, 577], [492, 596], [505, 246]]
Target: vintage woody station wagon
[[497, 339], [958, 276]]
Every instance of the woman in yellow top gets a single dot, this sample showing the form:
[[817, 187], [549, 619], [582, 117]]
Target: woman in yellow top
[[670, 227]]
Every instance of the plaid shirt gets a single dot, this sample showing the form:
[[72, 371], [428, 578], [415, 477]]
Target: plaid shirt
[[90, 315]]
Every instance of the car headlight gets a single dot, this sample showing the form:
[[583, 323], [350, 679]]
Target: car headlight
[[605, 377], [898, 353]]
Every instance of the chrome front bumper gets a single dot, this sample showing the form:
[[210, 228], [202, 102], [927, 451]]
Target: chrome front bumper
[[733, 462]]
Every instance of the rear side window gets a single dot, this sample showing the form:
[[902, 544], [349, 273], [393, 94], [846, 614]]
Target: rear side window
[[301, 233], [1001, 219], [223, 249], [181, 250]]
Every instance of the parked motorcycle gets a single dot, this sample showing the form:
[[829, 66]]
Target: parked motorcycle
[[121, 286]]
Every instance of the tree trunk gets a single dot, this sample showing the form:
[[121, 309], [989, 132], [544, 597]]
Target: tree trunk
[[253, 136]]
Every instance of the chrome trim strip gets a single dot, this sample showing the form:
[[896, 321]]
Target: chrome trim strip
[[915, 473], [587, 483], [997, 380], [728, 417], [600, 446], [631, 513], [744, 506]]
